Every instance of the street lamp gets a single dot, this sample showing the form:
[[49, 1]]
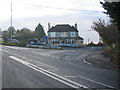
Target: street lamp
[[11, 21]]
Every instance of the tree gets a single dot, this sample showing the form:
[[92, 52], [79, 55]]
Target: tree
[[23, 35], [108, 32], [5, 36], [11, 32], [112, 9], [39, 31]]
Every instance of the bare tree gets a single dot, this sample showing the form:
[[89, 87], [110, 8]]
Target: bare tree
[[108, 32]]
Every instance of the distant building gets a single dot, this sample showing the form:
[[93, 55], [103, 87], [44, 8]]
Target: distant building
[[64, 34], [0, 35]]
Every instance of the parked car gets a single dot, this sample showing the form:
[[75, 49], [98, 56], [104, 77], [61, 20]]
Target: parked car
[[13, 41], [36, 43], [45, 44], [33, 42], [67, 45]]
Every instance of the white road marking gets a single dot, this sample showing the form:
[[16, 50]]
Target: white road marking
[[86, 62], [14, 47], [70, 76], [16, 54], [53, 56], [90, 80], [38, 63], [57, 57], [50, 74], [48, 55], [45, 54], [24, 62], [31, 60]]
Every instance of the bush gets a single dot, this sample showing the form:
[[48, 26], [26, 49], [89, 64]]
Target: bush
[[22, 44]]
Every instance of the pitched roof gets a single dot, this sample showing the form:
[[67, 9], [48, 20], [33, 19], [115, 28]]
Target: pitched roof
[[63, 28], [80, 38]]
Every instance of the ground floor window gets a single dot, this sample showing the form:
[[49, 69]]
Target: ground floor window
[[63, 41]]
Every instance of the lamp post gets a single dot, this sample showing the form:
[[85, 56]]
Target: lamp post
[[11, 21]]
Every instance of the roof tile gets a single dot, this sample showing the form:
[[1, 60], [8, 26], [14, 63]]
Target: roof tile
[[63, 28]]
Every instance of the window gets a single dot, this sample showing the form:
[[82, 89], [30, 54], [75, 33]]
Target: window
[[52, 34], [63, 34], [57, 34], [69, 34], [81, 41], [73, 34]]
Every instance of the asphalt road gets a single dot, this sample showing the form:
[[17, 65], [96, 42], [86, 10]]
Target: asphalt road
[[44, 68]]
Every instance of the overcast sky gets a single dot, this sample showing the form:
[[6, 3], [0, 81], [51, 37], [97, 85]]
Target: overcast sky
[[28, 13]]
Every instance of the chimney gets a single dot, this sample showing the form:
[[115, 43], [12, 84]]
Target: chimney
[[49, 26], [76, 25]]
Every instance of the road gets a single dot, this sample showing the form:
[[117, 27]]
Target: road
[[45, 68]]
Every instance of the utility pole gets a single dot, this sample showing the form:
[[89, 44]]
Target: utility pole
[[11, 14], [11, 20]]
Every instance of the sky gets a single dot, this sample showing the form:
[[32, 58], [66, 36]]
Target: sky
[[29, 13]]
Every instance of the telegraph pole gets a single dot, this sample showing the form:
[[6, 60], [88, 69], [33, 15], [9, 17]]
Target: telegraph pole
[[11, 13], [11, 21]]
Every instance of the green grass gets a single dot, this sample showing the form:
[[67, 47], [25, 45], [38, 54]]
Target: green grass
[[1, 42], [9, 44]]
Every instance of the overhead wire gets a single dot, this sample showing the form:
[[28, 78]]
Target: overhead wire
[[71, 9]]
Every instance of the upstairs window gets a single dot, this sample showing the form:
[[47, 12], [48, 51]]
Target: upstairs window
[[73, 34], [52, 34], [63, 34]]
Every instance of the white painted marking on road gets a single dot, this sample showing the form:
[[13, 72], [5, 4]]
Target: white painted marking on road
[[13, 47], [50, 67], [86, 62], [50, 74], [90, 80], [70, 76], [8, 52], [16, 54], [44, 54], [48, 55], [57, 57], [31, 60], [53, 56]]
